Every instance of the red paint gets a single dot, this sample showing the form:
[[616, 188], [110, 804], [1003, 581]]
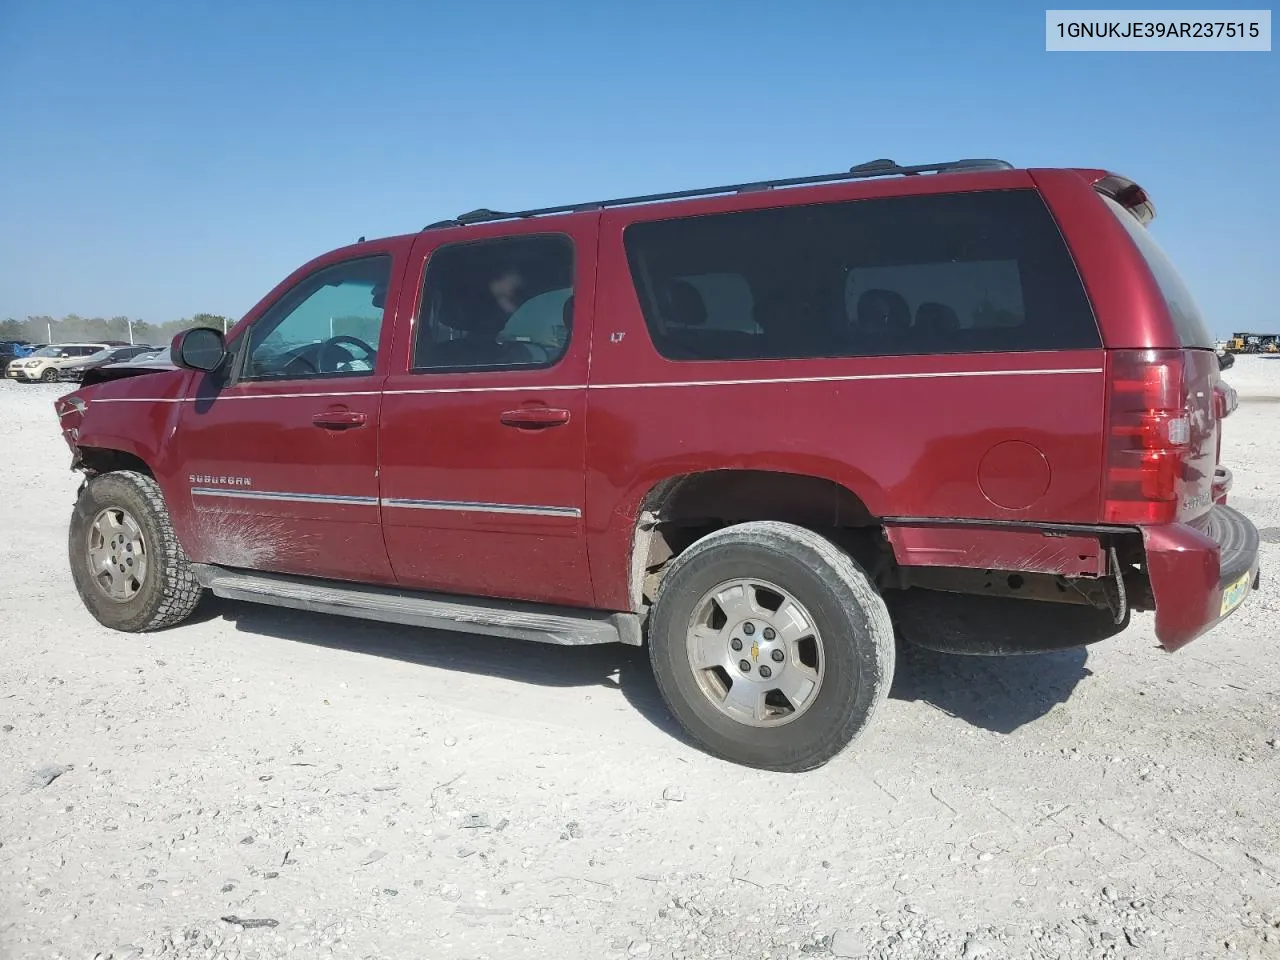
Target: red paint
[[1125, 296], [256, 431], [977, 437], [1014, 475], [994, 548], [1184, 572], [455, 446]]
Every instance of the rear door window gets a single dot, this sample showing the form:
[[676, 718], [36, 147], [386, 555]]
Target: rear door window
[[950, 273], [1193, 331], [496, 304]]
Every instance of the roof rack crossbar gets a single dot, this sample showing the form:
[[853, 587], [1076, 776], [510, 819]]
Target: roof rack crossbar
[[874, 168]]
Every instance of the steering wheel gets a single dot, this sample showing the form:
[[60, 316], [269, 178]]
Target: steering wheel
[[340, 340]]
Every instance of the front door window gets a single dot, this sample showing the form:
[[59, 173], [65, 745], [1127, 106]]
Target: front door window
[[326, 326]]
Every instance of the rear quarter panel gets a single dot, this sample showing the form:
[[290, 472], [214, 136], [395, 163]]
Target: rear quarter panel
[[908, 435], [1133, 314], [1127, 302]]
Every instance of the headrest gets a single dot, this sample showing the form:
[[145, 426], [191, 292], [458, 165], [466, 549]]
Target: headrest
[[566, 315], [467, 306], [683, 304], [936, 318], [883, 308]]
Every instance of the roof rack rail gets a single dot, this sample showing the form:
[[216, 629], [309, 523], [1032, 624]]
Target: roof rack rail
[[872, 168]]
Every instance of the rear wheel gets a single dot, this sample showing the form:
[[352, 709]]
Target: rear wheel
[[126, 561], [771, 646]]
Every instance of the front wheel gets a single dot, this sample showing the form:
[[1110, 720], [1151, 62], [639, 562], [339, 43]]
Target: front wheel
[[771, 646], [126, 561], [50, 376]]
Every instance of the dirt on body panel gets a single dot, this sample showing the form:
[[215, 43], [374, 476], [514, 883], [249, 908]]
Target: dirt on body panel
[[240, 540]]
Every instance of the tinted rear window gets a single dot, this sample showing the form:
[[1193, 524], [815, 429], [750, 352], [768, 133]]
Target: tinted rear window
[[952, 273], [1193, 331]]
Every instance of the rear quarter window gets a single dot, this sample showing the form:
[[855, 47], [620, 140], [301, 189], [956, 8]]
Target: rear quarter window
[[1193, 330], [937, 274]]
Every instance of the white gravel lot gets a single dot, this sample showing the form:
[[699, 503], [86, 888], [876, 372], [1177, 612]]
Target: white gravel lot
[[368, 791]]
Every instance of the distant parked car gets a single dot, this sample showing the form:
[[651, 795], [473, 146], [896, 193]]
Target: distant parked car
[[46, 363], [157, 360], [12, 350], [150, 353], [75, 371]]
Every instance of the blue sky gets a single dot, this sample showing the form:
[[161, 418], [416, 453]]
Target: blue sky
[[162, 159]]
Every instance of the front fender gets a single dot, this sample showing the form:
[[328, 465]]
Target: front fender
[[136, 417]]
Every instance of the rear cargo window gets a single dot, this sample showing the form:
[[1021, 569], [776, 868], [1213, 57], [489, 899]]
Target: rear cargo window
[[952, 273], [1193, 331]]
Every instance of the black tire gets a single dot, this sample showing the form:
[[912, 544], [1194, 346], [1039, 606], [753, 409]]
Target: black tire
[[169, 591], [50, 375], [858, 643]]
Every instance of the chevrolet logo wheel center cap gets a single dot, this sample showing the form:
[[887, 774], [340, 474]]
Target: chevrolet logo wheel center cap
[[758, 650]]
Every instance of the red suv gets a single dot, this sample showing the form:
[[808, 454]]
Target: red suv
[[759, 427]]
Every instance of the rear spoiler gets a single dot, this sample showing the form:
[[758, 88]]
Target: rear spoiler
[[1128, 194]]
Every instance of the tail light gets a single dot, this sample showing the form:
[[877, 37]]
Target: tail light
[[1149, 436], [1225, 400]]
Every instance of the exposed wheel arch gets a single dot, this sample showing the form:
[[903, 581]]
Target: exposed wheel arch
[[678, 511], [97, 460]]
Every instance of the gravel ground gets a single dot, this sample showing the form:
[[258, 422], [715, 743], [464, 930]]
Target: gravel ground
[[261, 783]]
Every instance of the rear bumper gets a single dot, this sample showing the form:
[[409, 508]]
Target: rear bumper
[[1200, 574]]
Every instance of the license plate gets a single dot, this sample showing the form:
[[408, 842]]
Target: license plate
[[1234, 595]]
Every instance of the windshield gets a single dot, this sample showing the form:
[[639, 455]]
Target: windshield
[[1193, 331], [48, 352]]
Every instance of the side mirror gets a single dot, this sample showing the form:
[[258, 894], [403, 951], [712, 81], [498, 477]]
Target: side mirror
[[200, 348]]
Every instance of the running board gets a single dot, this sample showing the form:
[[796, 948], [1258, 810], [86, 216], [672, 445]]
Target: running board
[[565, 626]]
